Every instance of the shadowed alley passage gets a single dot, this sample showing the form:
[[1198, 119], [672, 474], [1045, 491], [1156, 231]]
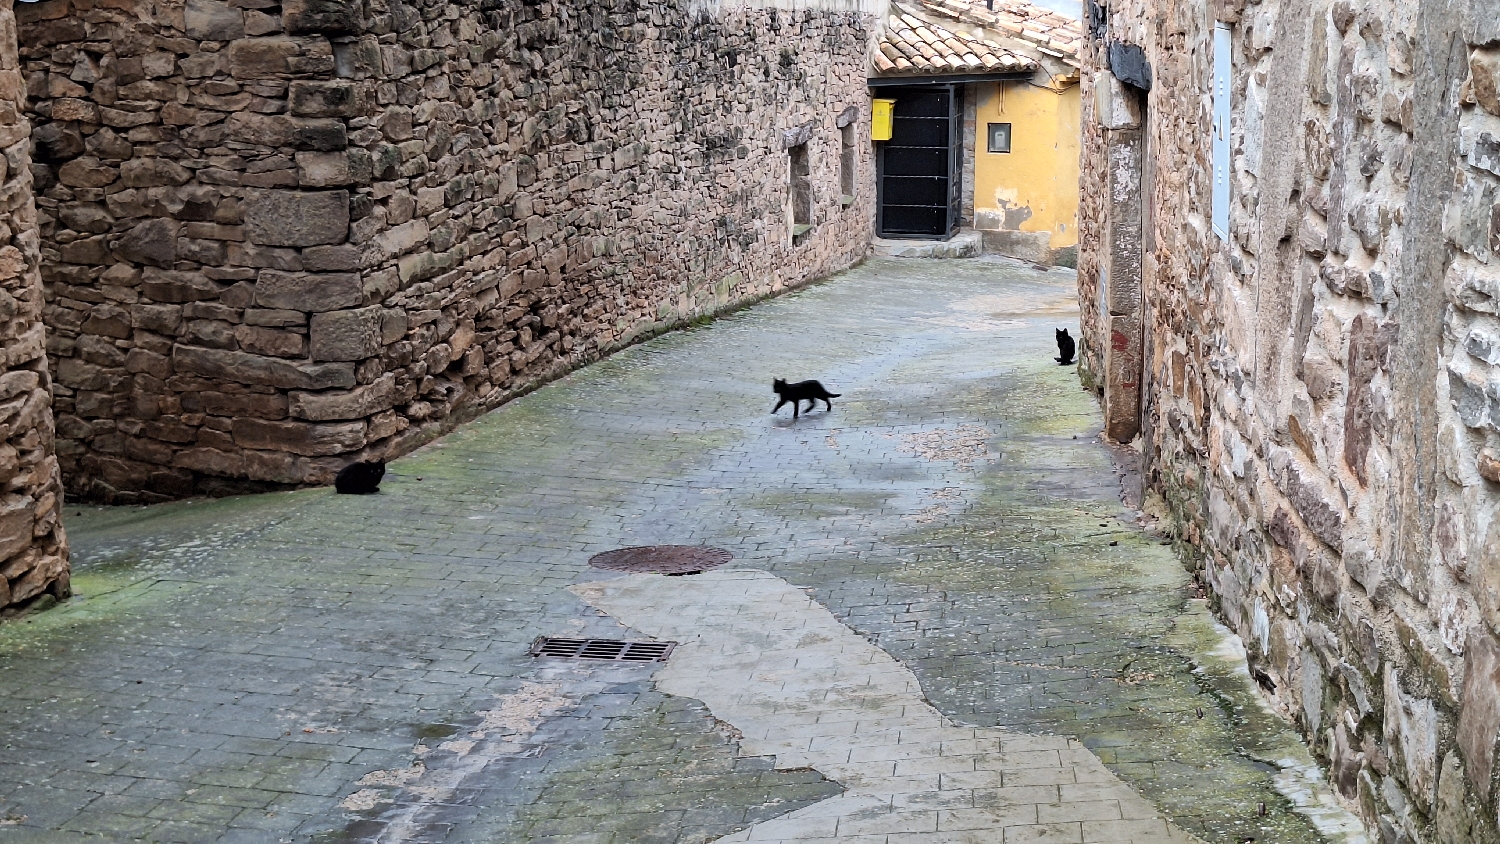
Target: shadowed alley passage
[[351, 668]]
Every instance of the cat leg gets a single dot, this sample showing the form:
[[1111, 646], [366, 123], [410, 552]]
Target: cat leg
[[778, 406]]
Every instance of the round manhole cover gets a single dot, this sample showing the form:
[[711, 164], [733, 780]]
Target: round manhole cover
[[662, 559]]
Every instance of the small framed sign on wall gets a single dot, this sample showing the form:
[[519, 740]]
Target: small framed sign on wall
[[999, 137]]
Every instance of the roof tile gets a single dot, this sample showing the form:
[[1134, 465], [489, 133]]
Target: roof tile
[[1026, 21], [914, 47]]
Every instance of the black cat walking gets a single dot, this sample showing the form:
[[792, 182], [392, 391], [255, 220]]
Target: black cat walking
[[809, 391], [1066, 348]]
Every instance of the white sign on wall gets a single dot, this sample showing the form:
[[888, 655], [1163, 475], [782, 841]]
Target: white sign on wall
[[1222, 47]]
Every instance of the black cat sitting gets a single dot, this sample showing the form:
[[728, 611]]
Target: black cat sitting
[[362, 478], [1066, 348], [808, 391]]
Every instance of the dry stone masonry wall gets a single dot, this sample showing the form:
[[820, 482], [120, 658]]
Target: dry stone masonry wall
[[279, 236], [1320, 391], [33, 550]]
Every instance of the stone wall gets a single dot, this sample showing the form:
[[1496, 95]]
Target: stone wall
[[33, 550], [1319, 393], [280, 235]]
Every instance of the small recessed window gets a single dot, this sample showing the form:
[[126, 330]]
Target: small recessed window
[[802, 198], [999, 137]]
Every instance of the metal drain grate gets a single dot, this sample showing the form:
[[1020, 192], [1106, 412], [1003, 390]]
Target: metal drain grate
[[613, 649], [662, 559]]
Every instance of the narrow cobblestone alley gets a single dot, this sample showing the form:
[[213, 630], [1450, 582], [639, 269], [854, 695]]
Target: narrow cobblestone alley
[[940, 623]]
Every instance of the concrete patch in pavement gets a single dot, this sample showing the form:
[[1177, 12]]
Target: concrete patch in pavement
[[804, 688]]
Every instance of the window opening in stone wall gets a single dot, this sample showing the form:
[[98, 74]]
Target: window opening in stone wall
[[802, 199], [846, 164], [999, 137], [1220, 144]]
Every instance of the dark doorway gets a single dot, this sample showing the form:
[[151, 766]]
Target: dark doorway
[[918, 169]]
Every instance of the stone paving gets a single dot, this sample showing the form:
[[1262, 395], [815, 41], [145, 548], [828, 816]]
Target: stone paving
[[803, 688], [311, 667]]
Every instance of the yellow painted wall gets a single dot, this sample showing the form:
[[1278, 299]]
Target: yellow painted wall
[[1034, 187]]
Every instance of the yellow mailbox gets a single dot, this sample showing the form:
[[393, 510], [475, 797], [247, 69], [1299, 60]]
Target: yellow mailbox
[[880, 119]]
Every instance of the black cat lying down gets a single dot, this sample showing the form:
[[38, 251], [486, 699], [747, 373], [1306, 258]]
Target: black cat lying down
[[809, 391]]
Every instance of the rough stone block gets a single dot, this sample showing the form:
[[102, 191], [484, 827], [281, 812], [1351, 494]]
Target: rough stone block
[[1115, 106], [245, 368], [298, 218], [86, 218], [87, 172], [171, 287], [1322, 516], [329, 17], [258, 405], [71, 109], [358, 403], [258, 58], [274, 466], [346, 335], [308, 292], [1122, 362], [89, 251], [1484, 66], [1027, 246], [148, 362], [35, 581], [1127, 63], [1466, 390], [401, 239], [15, 383], [276, 130], [798, 135], [274, 318], [323, 169], [269, 341], [153, 242], [1489, 465], [330, 258], [305, 438], [357, 59], [16, 519], [393, 325], [153, 172], [210, 461], [108, 321], [250, 255], [322, 99], [55, 142], [212, 20], [1479, 713]]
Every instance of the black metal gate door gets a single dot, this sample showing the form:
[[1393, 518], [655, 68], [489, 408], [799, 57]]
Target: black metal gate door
[[919, 165]]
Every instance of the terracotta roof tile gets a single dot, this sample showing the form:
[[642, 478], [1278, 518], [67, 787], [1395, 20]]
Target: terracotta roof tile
[[914, 47], [1026, 21]]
